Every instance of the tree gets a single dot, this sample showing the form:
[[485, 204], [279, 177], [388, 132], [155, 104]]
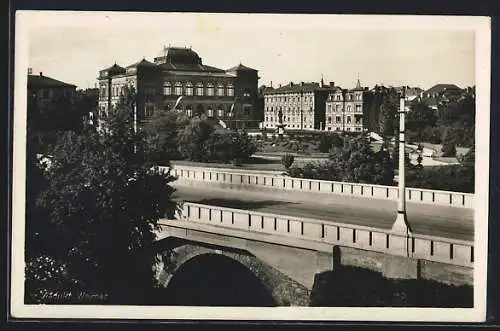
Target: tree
[[105, 200], [192, 138], [287, 160], [449, 148], [388, 121], [419, 118], [357, 162], [162, 132]]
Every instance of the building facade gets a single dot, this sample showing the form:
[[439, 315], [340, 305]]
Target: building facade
[[45, 92], [296, 106], [178, 78], [347, 109]]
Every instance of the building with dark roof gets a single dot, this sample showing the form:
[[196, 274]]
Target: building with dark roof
[[346, 109], [229, 95], [441, 94], [45, 92], [297, 106]]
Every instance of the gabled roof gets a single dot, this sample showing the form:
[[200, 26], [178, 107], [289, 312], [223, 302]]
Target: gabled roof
[[240, 67], [143, 63], [40, 81]]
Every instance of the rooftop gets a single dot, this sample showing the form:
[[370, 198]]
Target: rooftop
[[301, 87], [438, 88], [40, 81]]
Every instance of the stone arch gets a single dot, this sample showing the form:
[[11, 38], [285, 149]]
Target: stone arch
[[273, 282]]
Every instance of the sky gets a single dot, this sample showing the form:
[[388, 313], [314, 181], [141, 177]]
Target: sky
[[73, 47]]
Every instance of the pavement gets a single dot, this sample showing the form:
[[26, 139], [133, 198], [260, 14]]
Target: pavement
[[425, 219]]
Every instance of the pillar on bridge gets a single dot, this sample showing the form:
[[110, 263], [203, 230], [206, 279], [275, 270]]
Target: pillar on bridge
[[401, 225]]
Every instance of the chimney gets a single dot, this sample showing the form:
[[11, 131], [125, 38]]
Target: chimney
[[301, 83], [291, 84], [271, 83], [332, 84], [30, 71], [279, 85], [41, 74]]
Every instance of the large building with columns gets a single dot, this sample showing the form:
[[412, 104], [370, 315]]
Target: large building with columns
[[347, 110], [298, 106], [230, 95]]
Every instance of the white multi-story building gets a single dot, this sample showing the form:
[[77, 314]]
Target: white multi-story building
[[296, 106], [346, 110]]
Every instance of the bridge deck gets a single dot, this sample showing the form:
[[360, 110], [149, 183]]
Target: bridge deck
[[425, 219]]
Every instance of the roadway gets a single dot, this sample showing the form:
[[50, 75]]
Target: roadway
[[426, 219]]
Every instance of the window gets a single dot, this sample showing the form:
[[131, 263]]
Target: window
[[199, 89], [358, 129], [220, 90], [338, 119], [329, 128], [178, 88], [358, 108], [337, 108], [348, 119], [210, 112], [246, 92], [220, 112], [329, 119], [338, 129], [358, 120], [210, 90], [246, 110], [348, 108], [189, 89], [338, 97], [267, 119], [189, 111]]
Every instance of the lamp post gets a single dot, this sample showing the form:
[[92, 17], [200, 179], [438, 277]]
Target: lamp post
[[401, 224]]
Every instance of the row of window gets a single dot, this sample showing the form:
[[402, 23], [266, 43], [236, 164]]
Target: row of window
[[270, 125], [285, 119], [199, 89], [287, 109], [338, 128], [338, 119], [292, 99], [348, 108], [338, 97]]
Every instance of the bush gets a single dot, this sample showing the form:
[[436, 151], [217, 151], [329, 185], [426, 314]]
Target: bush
[[287, 160]]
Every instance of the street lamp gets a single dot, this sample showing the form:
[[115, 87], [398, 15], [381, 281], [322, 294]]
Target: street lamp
[[401, 224]]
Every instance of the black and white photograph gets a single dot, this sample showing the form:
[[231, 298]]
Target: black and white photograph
[[224, 166]]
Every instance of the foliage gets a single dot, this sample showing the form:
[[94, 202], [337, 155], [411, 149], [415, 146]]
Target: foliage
[[327, 141], [104, 201], [449, 148], [287, 160], [355, 162], [162, 132], [200, 142], [419, 118], [192, 138]]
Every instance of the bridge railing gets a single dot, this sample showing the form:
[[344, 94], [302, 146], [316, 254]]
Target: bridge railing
[[437, 249], [248, 179]]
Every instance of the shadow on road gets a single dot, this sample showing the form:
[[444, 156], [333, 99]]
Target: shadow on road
[[239, 204]]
